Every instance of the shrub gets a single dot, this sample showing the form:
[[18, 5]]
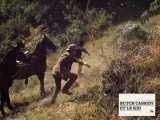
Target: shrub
[[130, 36], [120, 76]]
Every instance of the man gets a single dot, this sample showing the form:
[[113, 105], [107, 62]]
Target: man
[[79, 50], [62, 70]]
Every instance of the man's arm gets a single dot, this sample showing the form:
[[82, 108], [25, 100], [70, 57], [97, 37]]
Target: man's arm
[[85, 51], [82, 63]]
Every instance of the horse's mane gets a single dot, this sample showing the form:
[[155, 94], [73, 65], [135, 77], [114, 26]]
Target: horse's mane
[[33, 44]]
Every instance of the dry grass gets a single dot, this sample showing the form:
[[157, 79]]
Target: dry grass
[[148, 56]]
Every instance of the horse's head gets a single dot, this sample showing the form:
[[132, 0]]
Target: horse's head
[[48, 44]]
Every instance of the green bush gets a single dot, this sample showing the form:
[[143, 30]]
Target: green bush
[[15, 19]]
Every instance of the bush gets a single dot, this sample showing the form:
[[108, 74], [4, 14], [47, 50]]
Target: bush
[[130, 36], [10, 32], [120, 76]]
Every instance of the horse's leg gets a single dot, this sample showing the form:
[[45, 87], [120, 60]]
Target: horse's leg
[[41, 79], [26, 81], [7, 98], [28, 71], [1, 108], [2, 100]]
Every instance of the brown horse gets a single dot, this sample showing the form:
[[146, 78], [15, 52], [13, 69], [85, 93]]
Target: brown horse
[[37, 63], [8, 68]]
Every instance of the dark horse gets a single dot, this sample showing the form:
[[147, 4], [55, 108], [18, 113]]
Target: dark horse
[[8, 68], [36, 64]]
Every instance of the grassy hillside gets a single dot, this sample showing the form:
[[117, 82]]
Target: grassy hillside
[[88, 101]]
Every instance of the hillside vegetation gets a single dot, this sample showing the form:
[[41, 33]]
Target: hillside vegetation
[[88, 101], [63, 18], [131, 56]]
